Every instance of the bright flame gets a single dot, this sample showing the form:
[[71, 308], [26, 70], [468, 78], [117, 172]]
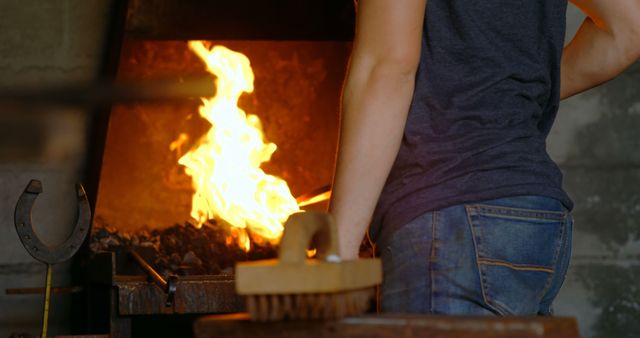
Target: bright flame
[[311, 252], [225, 165]]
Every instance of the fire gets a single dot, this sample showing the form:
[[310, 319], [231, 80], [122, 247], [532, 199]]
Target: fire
[[311, 253], [225, 165]]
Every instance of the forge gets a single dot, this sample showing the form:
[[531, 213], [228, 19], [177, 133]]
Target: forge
[[158, 246]]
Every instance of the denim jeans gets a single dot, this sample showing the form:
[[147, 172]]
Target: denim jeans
[[501, 257]]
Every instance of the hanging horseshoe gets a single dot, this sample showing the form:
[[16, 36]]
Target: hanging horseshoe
[[42, 252], [31, 242]]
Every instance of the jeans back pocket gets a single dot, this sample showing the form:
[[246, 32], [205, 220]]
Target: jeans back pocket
[[517, 251]]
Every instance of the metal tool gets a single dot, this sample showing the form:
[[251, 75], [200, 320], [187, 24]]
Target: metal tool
[[42, 252], [315, 196], [168, 286], [98, 93]]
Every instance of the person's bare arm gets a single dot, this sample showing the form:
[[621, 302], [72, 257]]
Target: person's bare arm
[[607, 43], [376, 97]]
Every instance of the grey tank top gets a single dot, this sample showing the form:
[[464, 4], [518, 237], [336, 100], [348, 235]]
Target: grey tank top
[[486, 95]]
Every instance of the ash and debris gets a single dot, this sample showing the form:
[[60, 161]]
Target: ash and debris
[[182, 249]]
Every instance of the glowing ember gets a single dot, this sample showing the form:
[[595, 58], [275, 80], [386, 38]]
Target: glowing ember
[[225, 165]]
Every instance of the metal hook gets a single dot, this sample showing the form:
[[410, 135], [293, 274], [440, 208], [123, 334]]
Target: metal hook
[[36, 248]]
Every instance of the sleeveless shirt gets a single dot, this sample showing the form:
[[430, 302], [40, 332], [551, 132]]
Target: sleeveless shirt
[[486, 95]]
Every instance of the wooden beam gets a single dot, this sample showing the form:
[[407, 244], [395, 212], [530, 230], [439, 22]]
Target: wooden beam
[[390, 325]]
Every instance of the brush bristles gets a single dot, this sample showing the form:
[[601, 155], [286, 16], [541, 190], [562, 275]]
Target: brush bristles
[[309, 306]]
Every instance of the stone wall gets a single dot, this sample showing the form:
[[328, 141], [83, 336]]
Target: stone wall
[[44, 43], [597, 144]]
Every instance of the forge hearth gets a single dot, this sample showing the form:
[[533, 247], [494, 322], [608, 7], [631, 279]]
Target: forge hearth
[[182, 249]]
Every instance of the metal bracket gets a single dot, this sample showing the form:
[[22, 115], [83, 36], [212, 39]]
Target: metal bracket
[[172, 282]]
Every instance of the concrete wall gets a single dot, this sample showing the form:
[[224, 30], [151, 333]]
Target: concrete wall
[[42, 43], [597, 144]]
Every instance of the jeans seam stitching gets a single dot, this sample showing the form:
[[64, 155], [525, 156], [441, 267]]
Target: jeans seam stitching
[[568, 232], [502, 309], [555, 259], [490, 206], [521, 217], [516, 266], [492, 209], [481, 275]]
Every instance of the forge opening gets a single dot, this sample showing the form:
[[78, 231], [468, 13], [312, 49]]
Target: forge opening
[[145, 196]]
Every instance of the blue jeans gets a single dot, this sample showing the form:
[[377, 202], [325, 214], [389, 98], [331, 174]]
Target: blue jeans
[[501, 257]]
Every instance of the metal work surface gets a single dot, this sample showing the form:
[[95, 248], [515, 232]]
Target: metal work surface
[[138, 294], [374, 326], [194, 294]]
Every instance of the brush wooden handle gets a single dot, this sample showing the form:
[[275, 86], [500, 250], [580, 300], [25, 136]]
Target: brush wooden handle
[[293, 274], [300, 229]]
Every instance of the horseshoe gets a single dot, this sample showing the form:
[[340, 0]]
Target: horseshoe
[[28, 237]]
